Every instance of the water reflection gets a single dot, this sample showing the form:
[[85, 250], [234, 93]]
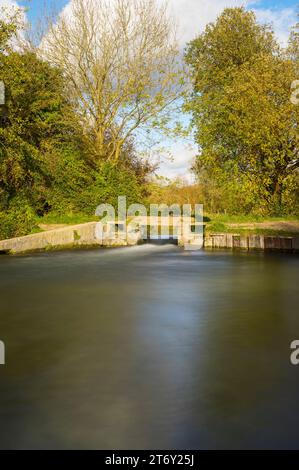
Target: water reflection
[[150, 347]]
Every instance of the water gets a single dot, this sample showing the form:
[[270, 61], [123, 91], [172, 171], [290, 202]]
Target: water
[[149, 347]]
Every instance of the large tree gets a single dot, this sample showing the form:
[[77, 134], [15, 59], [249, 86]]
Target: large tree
[[121, 62], [246, 125], [39, 124], [45, 164]]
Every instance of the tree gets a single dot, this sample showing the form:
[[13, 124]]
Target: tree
[[121, 64], [233, 40], [39, 120], [178, 191], [45, 164], [246, 125]]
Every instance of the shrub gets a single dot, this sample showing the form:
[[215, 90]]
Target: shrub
[[19, 219]]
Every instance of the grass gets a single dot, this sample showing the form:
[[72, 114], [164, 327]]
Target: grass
[[242, 219], [215, 223], [66, 219], [219, 223], [268, 232], [220, 228], [35, 229]]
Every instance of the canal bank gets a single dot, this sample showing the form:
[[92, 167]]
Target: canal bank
[[85, 236], [75, 236], [251, 242]]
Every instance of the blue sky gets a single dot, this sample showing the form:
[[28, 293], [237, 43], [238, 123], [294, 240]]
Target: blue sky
[[192, 17], [192, 8], [277, 3], [35, 5]]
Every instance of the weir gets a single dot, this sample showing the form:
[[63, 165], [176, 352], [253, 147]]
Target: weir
[[85, 236], [161, 240]]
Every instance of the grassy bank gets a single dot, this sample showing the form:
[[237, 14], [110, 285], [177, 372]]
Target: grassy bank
[[214, 223], [250, 225]]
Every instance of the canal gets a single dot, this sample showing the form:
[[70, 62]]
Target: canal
[[149, 347]]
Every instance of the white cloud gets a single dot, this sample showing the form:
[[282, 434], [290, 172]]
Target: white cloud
[[182, 158], [10, 6], [192, 16], [8, 3]]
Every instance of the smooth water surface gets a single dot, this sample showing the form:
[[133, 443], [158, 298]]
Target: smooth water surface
[[149, 347]]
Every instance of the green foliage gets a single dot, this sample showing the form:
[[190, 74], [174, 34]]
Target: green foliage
[[70, 176], [110, 182], [66, 218], [18, 219], [245, 123], [36, 111], [43, 154], [80, 189]]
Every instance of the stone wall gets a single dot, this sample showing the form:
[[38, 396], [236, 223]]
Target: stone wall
[[83, 235]]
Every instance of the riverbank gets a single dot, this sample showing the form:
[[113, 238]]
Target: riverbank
[[85, 236], [247, 225], [251, 242], [68, 237]]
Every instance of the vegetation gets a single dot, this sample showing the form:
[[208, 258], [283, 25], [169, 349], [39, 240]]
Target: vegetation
[[73, 105], [121, 64], [46, 165], [252, 225], [245, 123]]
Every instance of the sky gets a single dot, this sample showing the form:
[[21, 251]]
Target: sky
[[192, 16]]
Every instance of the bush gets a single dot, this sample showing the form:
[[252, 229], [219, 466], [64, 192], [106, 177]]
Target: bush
[[18, 220], [110, 182]]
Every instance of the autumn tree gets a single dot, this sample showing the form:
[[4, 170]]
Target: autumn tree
[[246, 125], [37, 136], [121, 63]]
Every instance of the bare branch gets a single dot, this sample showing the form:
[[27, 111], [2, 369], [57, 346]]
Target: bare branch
[[121, 60]]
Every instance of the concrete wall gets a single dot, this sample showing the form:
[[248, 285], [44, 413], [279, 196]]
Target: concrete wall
[[86, 235], [67, 237], [252, 242]]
